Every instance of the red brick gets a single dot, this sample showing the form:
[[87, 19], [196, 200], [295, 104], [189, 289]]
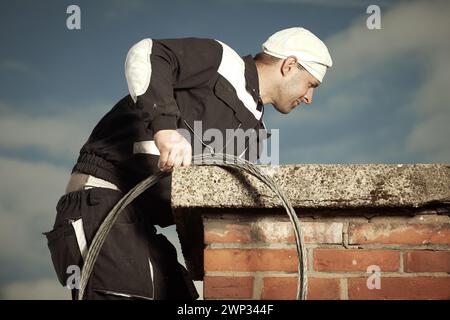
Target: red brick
[[219, 287], [426, 261], [387, 233], [218, 232], [285, 288], [401, 288], [355, 259], [250, 260], [270, 231]]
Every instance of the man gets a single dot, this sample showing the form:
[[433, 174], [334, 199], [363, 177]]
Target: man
[[172, 83]]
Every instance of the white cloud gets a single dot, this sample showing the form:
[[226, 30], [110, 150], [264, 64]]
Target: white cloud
[[30, 190], [60, 134], [41, 289], [117, 9], [28, 195], [14, 65], [407, 29], [432, 103], [329, 3], [417, 32]]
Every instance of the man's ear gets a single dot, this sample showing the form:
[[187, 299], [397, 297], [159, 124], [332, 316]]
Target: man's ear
[[288, 64]]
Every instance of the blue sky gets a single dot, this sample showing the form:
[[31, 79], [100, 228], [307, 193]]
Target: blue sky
[[386, 99]]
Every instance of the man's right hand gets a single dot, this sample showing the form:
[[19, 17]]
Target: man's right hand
[[174, 149]]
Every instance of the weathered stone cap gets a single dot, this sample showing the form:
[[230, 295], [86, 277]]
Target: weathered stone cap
[[314, 186]]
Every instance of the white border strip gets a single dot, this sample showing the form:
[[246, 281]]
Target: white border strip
[[148, 147], [232, 68], [138, 68], [81, 237]]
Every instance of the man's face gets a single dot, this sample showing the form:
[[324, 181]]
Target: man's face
[[297, 86]]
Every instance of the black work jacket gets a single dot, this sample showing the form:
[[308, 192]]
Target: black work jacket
[[172, 83]]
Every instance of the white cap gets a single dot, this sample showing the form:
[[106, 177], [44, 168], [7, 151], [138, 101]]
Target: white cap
[[310, 51]]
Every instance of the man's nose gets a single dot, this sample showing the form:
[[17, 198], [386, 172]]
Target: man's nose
[[307, 98]]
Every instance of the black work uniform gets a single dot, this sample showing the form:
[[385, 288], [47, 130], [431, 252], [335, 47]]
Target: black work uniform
[[172, 83]]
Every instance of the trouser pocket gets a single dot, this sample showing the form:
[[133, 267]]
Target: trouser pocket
[[63, 245], [123, 267]]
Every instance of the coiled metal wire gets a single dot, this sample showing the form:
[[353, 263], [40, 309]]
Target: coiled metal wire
[[216, 159]]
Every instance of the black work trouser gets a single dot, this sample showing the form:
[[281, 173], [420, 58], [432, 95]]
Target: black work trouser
[[134, 262]]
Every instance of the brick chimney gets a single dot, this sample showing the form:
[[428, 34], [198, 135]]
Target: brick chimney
[[371, 231]]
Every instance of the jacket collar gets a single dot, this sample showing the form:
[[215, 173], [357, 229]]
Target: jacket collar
[[252, 80]]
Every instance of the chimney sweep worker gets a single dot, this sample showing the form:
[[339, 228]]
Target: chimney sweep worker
[[172, 83]]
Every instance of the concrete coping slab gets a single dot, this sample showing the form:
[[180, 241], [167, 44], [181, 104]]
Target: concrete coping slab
[[320, 186]]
